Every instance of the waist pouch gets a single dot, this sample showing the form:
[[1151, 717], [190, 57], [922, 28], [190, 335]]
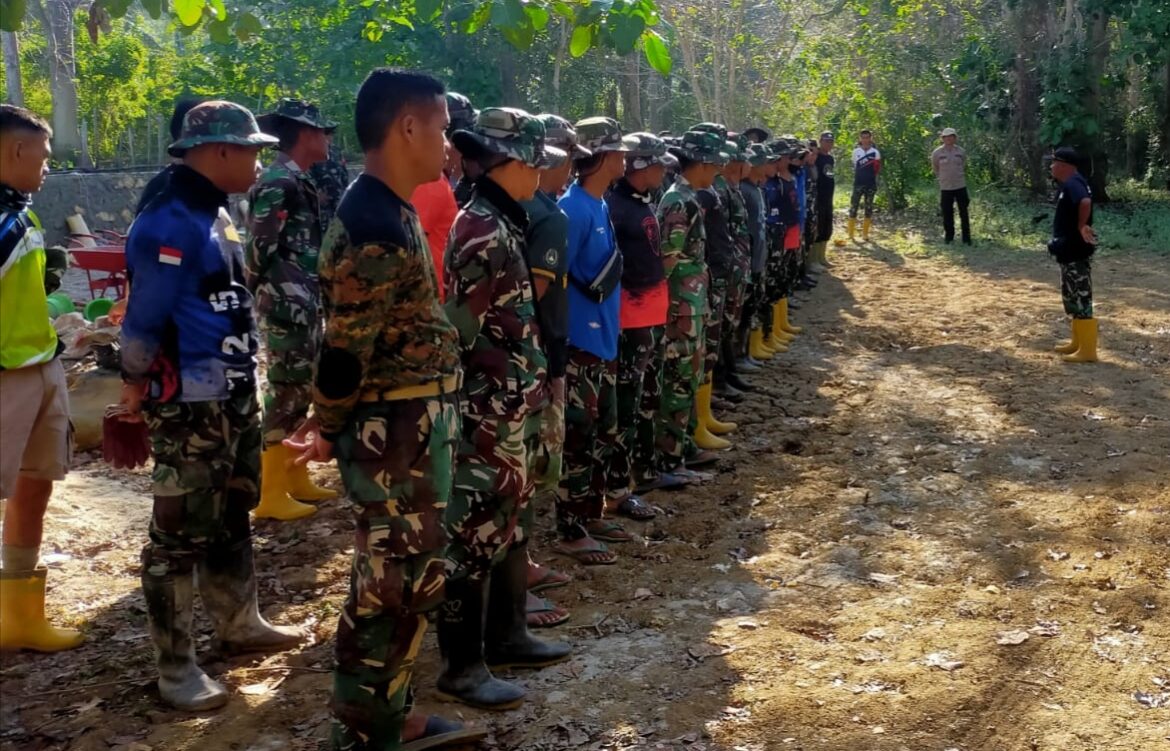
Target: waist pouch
[[605, 282]]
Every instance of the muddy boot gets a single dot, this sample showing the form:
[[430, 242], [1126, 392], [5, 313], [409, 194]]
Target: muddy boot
[[227, 584], [465, 677], [181, 683], [507, 642]]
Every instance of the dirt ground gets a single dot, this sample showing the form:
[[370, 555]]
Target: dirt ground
[[931, 535]]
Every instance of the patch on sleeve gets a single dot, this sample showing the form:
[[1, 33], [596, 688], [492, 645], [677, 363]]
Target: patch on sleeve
[[169, 255]]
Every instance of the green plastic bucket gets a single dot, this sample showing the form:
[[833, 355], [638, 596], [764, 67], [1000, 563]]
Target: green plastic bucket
[[95, 309], [60, 304]]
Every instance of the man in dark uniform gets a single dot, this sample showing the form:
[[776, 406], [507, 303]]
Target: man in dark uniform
[[826, 186], [1073, 244], [189, 345]]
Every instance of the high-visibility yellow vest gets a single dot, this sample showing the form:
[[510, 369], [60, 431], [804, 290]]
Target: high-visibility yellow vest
[[27, 336]]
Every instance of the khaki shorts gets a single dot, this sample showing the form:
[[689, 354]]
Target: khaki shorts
[[36, 439]]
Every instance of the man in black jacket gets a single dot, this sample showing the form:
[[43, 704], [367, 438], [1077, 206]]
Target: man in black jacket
[[1073, 243]]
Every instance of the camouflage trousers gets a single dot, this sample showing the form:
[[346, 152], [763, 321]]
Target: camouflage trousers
[[713, 331], [396, 460], [206, 480], [862, 193], [682, 374], [639, 388], [552, 429], [737, 294], [775, 270], [288, 391], [591, 433], [495, 479], [754, 304], [1076, 288]]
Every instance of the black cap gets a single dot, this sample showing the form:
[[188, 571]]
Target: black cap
[[1068, 155]]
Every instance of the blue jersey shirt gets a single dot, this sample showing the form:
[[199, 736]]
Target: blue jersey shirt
[[801, 194], [189, 327], [593, 327]]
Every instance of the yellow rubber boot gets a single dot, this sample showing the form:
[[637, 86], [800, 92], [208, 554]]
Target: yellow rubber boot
[[823, 255], [778, 342], [757, 348], [1072, 346], [22, 615], [1085, 334], [866, 226], [852, 228], [703, 437], [782, 322], [707, 416], [302, 487], [275, 476]]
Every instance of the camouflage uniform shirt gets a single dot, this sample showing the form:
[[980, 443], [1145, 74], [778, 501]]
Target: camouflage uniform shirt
[[384, 327], [684, 241], [490, 300], [284, 241]]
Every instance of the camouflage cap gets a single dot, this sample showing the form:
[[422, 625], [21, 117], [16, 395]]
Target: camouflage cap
[[701, 146], [717, 128], [560, 133], [510, 133], [219, 122], [298, 110], [757, 154], [460, 111], [601, 134], [647, 150]]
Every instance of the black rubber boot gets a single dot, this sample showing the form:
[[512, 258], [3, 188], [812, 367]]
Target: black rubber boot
[[170, 601], [731, 366], [508, 643], [227, 584], [465, 677]]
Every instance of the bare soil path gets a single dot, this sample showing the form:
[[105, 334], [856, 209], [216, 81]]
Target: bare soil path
[[931, 535]]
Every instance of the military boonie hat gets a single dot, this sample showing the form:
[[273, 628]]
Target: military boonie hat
[[648, 150], [757, 134], [735, 151], [511, 133], [716, 128], [601, 135], [219, 122], [757, 154], [560, 133], [701, 146], [460, 111], [297, 110]]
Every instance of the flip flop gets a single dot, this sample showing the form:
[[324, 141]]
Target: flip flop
[[662, 481], [440, 732], [633, 507], [539, 605], [607, 531], [595, 555], [550, 579]]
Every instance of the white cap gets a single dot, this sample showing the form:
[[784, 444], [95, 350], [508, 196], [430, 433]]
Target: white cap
[[949, 132]]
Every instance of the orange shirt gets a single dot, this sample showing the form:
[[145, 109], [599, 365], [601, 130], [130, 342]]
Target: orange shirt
[[435, 204]]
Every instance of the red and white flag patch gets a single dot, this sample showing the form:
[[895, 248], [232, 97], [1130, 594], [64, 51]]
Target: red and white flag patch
[[170, 255]]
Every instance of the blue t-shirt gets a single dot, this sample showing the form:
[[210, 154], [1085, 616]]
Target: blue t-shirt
[[801, 194], [593, 327]]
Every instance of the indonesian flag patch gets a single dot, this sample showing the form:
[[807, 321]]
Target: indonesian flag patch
[[173, 256]]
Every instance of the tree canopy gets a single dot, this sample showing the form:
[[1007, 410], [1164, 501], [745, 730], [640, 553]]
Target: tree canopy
[[1016, 77]]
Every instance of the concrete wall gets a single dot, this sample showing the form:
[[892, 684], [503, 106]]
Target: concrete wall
[[105, 199]]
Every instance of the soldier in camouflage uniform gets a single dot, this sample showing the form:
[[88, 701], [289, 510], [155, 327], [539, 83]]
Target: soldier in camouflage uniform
[[385, 404], [189, 368], [463, 172], [284, 238], [684, 254], [753, 194], [721, 262], [1073, 243], [490, 301], [331, 178], [728, 185]]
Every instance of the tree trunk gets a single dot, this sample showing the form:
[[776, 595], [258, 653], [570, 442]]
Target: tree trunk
[[1098, 40], [1164, 126], [1134, 141], [510, 94], [56, 17], [1025, 124], [558, 62], [14, 85]]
